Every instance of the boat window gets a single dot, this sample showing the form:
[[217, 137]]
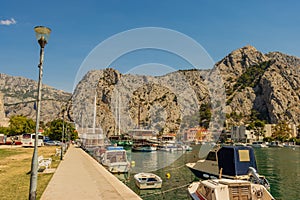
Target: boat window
[[151, 179], [244, 155], [211, 156]]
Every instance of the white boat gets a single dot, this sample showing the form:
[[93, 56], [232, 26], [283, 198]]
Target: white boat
[[275, 144], [186, 147], [228, 189], [114, 158], [289, 144], [147, 181], [144, 147], [259, 144]]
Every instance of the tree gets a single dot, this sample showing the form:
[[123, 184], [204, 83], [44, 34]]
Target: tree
[[55, 129], [4, 130], [20, 124], [258, 127], [281, 131], [204, 115]]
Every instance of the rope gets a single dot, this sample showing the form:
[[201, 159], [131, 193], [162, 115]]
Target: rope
[[162, 192]]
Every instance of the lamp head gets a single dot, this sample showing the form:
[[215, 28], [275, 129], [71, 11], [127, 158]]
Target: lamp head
[[42, 35]]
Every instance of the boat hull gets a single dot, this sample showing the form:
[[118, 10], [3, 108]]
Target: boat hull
[[202, 174], [144, 148], [117, 167], [147, 181]]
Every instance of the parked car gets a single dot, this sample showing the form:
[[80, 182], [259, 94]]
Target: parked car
[[51, 143]]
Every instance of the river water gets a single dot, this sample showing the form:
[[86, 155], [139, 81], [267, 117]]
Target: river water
[[281, 166]]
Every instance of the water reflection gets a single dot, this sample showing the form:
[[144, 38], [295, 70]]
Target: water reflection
[[282, 168], [152, 161]]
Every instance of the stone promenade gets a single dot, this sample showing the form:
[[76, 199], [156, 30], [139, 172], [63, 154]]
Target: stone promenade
[[79, 176]]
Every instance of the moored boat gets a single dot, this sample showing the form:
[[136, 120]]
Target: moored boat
[[114, 158], [232, 162], [221, 189], [259, 144], [147, 181], [275, 144], [144, 147]]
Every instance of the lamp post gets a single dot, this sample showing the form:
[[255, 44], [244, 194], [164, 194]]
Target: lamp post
[[62, 137], [42, 35]]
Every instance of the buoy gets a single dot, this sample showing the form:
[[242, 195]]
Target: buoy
[[168, 175], [132, 163]]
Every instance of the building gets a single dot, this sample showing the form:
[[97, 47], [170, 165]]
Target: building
[[196, 134], [4, 122], [238, 134]]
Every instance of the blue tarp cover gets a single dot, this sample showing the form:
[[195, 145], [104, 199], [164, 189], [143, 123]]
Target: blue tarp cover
[[236, 160]]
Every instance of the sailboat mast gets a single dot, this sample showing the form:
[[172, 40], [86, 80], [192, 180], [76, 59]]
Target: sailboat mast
[[119, 121], [95, 112]]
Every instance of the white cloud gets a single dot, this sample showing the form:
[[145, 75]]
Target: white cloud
[[8, 22]]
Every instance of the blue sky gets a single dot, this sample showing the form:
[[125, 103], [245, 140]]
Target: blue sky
[[79, 26]]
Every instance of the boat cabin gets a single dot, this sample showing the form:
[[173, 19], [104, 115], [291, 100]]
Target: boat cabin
[[236, 160]]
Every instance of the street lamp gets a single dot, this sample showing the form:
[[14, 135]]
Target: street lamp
[[42, 35]]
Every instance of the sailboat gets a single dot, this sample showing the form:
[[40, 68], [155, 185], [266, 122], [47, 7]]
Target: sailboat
[[117, 138], [94, 138]]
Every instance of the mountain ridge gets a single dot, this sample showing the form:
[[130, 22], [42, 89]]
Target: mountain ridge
[[264, 85]]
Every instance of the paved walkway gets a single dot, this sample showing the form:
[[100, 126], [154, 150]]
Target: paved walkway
[[79, 176]]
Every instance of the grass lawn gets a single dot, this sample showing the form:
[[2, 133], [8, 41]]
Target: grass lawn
[[15, 165]]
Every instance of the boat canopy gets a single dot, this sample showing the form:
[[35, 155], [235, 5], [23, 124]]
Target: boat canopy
[[236, 160], [115, 148]]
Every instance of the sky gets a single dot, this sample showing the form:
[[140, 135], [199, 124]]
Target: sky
[[78, 27]]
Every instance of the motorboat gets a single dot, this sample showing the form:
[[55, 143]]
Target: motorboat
[[259, 144], [228, 189], [147, 147], [289, 144], [232, 162], [114, 158], [275, 144], [147, 181]]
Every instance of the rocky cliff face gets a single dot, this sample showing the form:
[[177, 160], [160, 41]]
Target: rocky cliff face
[[20, 96], [130, 101], [257, 85], [263, 84]]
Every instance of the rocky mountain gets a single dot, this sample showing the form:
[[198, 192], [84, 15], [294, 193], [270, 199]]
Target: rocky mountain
[[19, 96], [246, 84], [264, 85]]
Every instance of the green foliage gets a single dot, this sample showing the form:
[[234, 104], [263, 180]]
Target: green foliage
[[281, 131], [251, 76], [258, 127], [56, 127], [200, 118], [204, 115], [4, 130], [236, 117], [20, 124]]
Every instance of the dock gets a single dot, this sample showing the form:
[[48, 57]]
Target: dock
[[79, 176]]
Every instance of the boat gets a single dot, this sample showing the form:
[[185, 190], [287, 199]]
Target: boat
[[289, 144], [144, 147], [275, 144], [168, 143], [232, 162], [259, 144], [121, 140], [228, 189], [186, 147], [114, 159], [147, 181]]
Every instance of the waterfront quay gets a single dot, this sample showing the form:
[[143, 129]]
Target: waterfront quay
[[79, 176]]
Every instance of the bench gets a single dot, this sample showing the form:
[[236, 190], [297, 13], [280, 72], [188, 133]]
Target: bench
[[44, 162], [57, 152]]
